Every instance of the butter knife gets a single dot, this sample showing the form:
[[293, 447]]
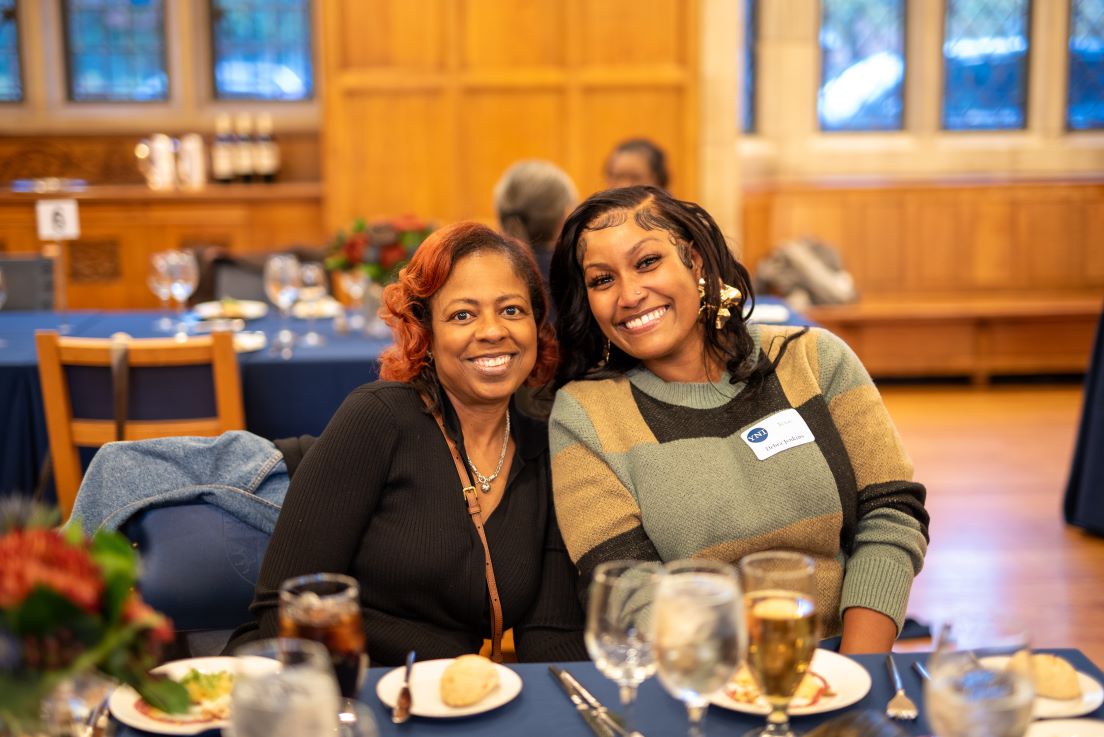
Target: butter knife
[[596, 708], [401, 712], [587, 713]]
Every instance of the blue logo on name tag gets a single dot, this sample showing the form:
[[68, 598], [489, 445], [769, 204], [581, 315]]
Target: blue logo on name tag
[[757, 435]]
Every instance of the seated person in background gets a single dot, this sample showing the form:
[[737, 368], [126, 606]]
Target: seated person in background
[[531, 200], [637, 161], [378, 496], [679, 430]]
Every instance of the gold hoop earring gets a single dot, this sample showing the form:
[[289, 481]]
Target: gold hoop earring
[[605, 355]]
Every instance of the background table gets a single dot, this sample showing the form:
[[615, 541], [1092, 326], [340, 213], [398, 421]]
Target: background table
[[542, 708], [282, 397]]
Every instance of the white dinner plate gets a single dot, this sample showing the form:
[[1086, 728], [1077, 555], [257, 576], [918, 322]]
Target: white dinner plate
[[845, 677], [246, 309], [1066, 728], [425, 690], [323, 308], [126, 704], [249, 341], [1092, 695]]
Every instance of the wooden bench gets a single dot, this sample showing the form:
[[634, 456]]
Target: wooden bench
[[974, 337]]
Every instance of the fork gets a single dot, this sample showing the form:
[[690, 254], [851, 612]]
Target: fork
[[900, 706]]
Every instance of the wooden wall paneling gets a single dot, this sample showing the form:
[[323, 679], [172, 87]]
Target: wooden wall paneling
[[755, 242], [934, 242], [106, 267], [878, 238], [382, 34], [812, 214], [512, 36], [18, 229], [188, 225], [278, 224], [634, 33], [988, 246], [1049, 228], [497, 128], [1094, 237]]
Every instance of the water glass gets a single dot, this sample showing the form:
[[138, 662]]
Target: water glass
[[975, 688], [325, 607], [780, 607], [182, 271], [353, 284], [699, 632], [312, 290], [160, 283], [619, 624], [282, 280], [283, 687]]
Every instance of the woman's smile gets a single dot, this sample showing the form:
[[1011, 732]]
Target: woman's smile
[[644, 322]]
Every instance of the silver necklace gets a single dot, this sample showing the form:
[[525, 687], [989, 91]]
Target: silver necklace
[[485, 481]]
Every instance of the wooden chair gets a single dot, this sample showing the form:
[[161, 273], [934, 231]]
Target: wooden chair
[[77, 373]]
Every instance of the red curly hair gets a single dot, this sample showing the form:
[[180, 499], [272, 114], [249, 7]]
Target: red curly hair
[[406, 305]]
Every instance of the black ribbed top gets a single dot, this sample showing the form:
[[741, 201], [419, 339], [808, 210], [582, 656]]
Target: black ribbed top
[[377, 497]]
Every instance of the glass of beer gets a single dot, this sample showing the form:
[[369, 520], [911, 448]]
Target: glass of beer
[[779, 604], [325, 607]]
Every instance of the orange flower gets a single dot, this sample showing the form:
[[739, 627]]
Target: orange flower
[[41, 557]]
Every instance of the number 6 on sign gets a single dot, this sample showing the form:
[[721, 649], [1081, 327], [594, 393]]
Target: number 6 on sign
[[57, 220]]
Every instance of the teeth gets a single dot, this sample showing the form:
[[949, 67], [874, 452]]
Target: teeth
[[491, 361], [639, 322]]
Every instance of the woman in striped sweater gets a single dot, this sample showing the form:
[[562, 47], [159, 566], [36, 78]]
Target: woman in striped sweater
[[681, 430]]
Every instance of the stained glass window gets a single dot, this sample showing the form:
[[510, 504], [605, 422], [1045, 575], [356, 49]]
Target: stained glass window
[[115, 50], [262, 49], [751, 40], [985, 44], [862, 51], [11, 74], [1086, 65]]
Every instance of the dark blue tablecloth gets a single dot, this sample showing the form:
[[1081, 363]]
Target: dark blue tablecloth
[[281, 397], [542, 708], [1084, 503]]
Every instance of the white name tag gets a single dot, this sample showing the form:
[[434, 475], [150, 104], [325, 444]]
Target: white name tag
[[785, 429]]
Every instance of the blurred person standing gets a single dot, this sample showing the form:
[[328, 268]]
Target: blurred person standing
[[637, 162], [532, 199]]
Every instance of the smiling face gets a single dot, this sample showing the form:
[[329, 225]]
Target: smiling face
[[484, 338], [645, 298]]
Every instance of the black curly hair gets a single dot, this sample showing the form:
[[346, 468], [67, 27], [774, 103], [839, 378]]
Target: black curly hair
[[582, 343]]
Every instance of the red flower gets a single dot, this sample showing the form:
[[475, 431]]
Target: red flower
[[41, 557], [391, 254], [136, 611]]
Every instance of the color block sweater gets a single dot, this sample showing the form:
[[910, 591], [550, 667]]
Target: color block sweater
[[646, 469]]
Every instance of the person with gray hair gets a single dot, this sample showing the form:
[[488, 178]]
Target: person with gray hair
[[532, 199]]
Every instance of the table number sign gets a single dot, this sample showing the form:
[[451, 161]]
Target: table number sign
[[57, 220]]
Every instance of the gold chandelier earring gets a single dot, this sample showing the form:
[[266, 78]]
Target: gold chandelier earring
[[729, 297]]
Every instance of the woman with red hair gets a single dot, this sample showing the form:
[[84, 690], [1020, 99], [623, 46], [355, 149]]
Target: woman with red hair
[[428, 486]]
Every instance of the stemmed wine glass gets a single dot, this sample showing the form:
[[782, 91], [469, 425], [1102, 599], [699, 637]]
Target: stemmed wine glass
[[283, 687], [183, 274], [780, 606], [354, 283], [699, 632], [977, 687], [161, 285], [312, 290], [619, 625], [281, 279]]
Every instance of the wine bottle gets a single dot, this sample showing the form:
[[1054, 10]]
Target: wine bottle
[[243, 147], [222, 150], [266, 151]]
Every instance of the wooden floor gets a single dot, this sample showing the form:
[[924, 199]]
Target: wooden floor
[[995, 462]]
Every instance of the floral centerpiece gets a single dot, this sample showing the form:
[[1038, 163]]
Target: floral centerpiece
[[68, 607], [379, 249]]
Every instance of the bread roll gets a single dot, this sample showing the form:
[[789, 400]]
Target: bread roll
[[467, 680], [1053, 677]]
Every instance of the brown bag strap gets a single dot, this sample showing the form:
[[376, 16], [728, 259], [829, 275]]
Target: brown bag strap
[[477, 519]]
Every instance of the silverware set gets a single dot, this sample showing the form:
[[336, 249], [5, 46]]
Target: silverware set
[[597, 717]]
